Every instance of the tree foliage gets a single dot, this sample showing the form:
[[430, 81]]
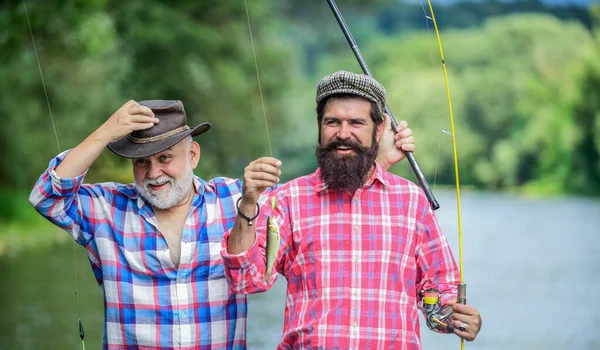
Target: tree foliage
[[524, 86]]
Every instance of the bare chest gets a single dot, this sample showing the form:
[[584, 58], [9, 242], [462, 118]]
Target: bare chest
[[171, 228]]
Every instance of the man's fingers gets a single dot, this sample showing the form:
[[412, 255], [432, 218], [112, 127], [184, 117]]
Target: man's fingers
[[466, 321], [141, 118], [266, 160], [387, 121], [403, 134], [406, 140], [267, 165], [139, 109], [465, 309], [402, 126], [460, 317], [129, 104], [263, 184], [255, 176], [260, 174], [464, 330], [142, 126], [406, 147]]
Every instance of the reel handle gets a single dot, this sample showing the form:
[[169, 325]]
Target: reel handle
[[462, 293]]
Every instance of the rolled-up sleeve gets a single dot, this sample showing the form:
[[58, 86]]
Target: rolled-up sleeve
[[436, 267], [69, 204], [245, 271]]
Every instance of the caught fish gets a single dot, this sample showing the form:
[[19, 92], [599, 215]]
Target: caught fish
[[272, 243]]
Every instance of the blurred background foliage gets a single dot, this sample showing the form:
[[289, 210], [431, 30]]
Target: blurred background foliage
[[525, 84], [524, 77]]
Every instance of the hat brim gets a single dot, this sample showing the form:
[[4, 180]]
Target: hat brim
[[127, 149]]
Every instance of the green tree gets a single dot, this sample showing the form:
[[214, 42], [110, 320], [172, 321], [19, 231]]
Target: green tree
[[512, 81], [96, 55], [585, 157]]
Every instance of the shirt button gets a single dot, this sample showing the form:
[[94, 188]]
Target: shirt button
[[355, 260], [356, 199], [355, 292], [356, 228], [183, 314], [354, 324], [180, 279]]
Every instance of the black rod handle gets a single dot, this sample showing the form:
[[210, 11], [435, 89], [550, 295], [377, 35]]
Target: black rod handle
[[409, 155]]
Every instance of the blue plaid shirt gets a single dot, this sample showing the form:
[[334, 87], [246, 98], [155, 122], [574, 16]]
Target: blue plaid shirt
[[149, 302]]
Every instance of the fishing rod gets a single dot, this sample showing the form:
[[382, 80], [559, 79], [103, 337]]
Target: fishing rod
[[411, 158], [437, 315]]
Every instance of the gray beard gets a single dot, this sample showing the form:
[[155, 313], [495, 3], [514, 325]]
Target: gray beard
[[176, 193]]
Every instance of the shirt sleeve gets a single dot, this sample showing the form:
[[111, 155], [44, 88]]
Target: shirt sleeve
[[245, 272], [436, 267], [68, 203]]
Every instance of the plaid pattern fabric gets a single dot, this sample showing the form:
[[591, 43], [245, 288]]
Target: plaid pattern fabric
[[343, 82], [150, 303], [354, 264]]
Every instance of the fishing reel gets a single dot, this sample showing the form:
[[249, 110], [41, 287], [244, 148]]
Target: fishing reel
[[436, 316]]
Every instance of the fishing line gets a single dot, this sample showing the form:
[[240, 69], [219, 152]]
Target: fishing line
[[438, 109], [81, 331], [262, 99], [462, 286]]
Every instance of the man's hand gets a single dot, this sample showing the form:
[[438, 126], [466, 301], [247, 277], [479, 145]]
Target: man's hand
[[258, 176], [130, 117], [392, 147], [466, 320]]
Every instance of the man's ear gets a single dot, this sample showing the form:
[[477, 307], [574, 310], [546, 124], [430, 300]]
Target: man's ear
[[194, 154], [381, 127]]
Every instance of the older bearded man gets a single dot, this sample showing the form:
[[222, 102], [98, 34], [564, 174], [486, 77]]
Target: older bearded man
[[154, 246], [358, 244]]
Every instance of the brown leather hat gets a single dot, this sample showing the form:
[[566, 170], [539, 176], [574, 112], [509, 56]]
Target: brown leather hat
[[171, 128]]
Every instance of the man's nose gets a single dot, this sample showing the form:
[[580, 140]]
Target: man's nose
[[155, 171], [344, 132]]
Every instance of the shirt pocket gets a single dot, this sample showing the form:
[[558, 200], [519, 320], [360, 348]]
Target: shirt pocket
[[211, 261]]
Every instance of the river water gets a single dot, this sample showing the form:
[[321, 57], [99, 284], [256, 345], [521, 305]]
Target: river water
[[531, 266]]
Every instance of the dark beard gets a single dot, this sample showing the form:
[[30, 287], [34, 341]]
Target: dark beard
[[346, 173]]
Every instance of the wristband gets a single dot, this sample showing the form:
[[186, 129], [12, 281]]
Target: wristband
[[250, 220]]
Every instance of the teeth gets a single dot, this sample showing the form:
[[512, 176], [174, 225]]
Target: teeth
[[158, 183]]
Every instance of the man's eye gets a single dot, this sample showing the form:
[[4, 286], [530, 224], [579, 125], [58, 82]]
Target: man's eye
[[140, 161], [164, 158]]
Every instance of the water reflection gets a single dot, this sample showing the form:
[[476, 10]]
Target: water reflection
[[531, 266]]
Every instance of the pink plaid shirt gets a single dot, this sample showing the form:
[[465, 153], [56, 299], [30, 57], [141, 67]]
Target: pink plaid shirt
[[354, 263]]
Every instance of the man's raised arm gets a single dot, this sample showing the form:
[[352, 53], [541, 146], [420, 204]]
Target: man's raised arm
[[130, 117]]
